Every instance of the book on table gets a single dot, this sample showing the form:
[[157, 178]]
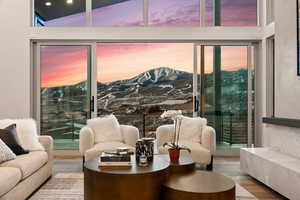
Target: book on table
[[114, 159]]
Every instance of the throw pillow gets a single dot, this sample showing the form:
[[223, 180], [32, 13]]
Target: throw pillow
[[10, 138], [6, 153], [191, 129], [27, 133], [5, 123], [106, 129]]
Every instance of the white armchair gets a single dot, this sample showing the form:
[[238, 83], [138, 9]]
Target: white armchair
[[90, 149], [202, 152]]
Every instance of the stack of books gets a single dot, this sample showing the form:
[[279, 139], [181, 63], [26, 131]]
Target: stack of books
[[114, 159]]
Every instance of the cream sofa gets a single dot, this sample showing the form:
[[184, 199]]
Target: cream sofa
[[19, 178], [201, 152], [89, 149]]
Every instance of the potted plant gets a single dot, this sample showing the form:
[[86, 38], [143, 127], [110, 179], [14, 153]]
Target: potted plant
[[174, 151], [173, 147]]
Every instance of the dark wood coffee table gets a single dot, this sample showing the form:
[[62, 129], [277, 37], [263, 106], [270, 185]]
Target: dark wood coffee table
[[198, 185], [161, 180], [125, 183]]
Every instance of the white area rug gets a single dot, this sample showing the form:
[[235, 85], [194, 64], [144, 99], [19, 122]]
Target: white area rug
[[69, 186]]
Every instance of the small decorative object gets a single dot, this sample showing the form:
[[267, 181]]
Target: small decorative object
[[143, 161], [145, 147], [123, 150], [174, 147], [174, 151], [149, 148], [114, 159], [139, 148]]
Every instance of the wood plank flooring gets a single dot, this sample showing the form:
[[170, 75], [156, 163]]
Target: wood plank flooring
[[66, 161]]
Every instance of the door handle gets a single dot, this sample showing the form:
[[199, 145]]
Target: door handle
[[196, 104], [92, 104]]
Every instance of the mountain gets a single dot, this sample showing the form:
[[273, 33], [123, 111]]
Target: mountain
[[161, 86], [159, 81], [153, 76]]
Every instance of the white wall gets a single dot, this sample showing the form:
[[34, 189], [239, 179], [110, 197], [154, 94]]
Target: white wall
[[14, 59], [287, 82], [287, 87]]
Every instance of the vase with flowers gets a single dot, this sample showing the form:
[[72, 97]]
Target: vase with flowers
[[173, 147]]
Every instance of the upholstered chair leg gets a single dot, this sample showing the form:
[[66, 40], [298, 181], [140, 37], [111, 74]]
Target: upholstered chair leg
[[210, 165], [83, 161]]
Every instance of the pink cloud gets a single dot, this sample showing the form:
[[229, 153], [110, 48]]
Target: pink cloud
[[63, 65], [128, 13], [234, 13], [174, 13], [114, 49]]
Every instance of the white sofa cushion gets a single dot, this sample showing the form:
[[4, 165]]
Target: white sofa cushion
[[102, 147], [106, 129], [27, 133], [191, 129], [6, 153], [9, 178], [28, 163]]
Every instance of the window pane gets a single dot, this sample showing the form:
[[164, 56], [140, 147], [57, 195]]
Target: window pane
[[174, 13], [209, 9], [118, 13], [138, 81], [226, 94], [64, 93], [233, 12], [59, 13]]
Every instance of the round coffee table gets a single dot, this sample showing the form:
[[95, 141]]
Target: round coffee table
[[198, 185], [124, 183], [185, 164]]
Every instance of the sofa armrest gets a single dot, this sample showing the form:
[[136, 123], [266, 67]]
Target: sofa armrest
[[208, 139], [130, 134], [86, 139], [47, 143], [164, 134]]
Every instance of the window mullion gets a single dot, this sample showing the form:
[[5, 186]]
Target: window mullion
[[88, 11], [202, 12], [146, 13], [258, 11]]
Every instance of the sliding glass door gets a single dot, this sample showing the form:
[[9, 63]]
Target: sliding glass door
[[227, 93], [138, 81], [65, 91]]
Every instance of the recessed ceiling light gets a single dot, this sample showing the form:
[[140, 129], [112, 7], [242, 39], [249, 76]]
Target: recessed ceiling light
[[69, 1], [48, 3]]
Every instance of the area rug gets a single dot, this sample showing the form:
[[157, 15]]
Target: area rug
[[69, 186]]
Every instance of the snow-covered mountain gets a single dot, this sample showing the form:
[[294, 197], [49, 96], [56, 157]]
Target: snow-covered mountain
[[159, 75], [153, 87], [154, 76]]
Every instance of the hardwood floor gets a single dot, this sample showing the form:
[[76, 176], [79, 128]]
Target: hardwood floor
[[70, 161]]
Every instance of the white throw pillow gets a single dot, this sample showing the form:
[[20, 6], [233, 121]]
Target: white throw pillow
[[6, 153], [27, 133], [106, 129], [191, 129]]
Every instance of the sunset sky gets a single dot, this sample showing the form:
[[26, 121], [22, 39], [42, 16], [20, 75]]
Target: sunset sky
[[67, 65]]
